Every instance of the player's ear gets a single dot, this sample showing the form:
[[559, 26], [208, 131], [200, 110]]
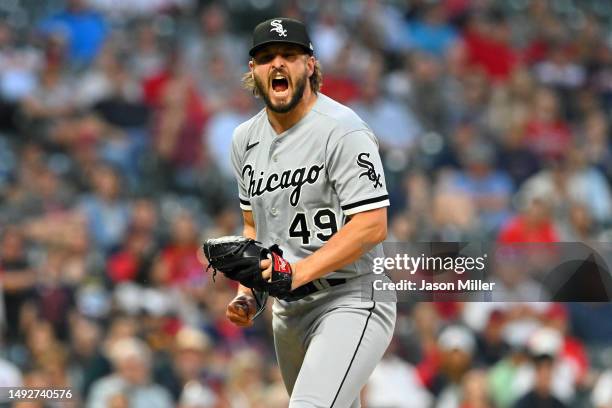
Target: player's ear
[[310, 65], [251, 66]]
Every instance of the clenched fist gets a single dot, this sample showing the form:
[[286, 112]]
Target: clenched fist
[[241, 309]]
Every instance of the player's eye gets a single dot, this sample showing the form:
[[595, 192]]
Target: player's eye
[[290, 56], [264, 59]]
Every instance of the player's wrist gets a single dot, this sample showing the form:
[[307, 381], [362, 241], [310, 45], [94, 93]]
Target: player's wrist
[[297, 275], [243, 291]]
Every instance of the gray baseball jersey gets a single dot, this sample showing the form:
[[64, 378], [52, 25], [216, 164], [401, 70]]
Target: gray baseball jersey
[[301, 184]]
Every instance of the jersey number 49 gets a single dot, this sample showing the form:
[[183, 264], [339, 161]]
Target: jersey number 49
[[324, 221]]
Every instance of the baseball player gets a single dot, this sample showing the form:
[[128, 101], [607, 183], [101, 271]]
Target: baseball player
[[311, 181]]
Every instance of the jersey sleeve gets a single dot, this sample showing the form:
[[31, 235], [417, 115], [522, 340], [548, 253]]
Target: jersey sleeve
[[356, 173], [236, 157]]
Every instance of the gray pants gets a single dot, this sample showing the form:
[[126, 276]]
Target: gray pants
[[329, 343]]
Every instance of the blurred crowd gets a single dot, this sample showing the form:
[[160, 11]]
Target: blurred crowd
[[115, 127]]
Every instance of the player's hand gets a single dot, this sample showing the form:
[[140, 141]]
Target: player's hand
[[241, 309], [266, 269]]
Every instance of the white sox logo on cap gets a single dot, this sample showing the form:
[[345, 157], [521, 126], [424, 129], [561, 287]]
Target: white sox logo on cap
[[280, 30], [278, 27]]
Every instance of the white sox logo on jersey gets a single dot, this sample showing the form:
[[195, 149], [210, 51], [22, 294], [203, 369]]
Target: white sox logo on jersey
[[278, 27], [369, 172], [296, 178]]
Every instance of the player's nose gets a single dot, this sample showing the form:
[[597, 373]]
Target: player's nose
[[278, 62]]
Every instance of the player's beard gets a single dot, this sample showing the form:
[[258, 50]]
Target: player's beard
[[300, 87]]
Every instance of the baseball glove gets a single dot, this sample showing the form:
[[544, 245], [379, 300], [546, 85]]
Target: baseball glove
[[238, 258]]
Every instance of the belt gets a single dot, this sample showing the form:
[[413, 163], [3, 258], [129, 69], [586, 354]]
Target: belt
[[312, 287]]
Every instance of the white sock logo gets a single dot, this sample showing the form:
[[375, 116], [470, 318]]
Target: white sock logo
[[278, 27]]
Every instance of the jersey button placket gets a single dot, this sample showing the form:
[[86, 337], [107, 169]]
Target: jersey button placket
[[274, 160], [273, 148]]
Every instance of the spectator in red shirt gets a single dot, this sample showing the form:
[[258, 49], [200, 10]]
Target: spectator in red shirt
[[178, 262], [339, 82], [533, 224], [546, 134], [179, 118], [132, 260], [488, 45]]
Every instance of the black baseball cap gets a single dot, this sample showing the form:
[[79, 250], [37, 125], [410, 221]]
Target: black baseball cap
[[281, 30]]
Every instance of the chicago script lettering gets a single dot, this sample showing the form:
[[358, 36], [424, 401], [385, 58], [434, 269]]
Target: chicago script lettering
[[293, 178]]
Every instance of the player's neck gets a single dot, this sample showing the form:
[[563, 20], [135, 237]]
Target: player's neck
[[283, 121]]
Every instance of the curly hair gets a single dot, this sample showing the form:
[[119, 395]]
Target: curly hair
[[316, 80]]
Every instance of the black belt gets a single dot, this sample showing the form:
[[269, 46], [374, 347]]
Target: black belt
[[312, 287]]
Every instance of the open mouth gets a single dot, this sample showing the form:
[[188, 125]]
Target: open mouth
[[280, 84]]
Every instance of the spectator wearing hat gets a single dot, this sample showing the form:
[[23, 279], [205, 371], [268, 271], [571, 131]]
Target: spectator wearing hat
[[572, 350], [456, 345], [187, 366], [490, 341], [131, 359], [505, 374], [548, 380], [245, 381]]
